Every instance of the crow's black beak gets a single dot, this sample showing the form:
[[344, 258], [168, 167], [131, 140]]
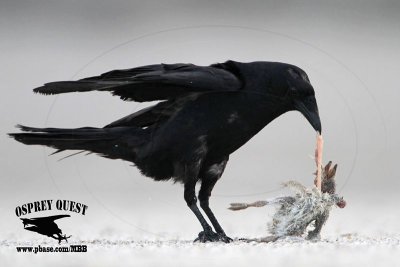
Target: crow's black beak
[[308, 107]]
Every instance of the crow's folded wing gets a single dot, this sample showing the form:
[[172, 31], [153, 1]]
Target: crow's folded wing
[[49, 218], [153, 82], [158, 113]]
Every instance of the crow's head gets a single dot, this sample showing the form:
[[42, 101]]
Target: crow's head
[[302, 96], [291, 84]]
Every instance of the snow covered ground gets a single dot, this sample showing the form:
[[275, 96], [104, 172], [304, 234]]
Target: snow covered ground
[[363, 234], [344, 250]]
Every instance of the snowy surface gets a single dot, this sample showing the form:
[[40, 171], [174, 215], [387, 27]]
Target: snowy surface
[[344, 250], [363, 234]]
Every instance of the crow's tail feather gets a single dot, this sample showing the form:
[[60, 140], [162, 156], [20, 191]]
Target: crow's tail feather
[[117, 142]]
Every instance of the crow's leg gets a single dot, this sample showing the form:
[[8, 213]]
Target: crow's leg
[[190, 197], [204, 195], [209, 179]]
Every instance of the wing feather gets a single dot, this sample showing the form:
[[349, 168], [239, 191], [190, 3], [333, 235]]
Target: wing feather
[[153, 82]]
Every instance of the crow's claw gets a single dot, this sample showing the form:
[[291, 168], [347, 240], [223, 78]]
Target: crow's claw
[[224, 238]]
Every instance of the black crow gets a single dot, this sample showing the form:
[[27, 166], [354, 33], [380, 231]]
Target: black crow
[[205, 113], [46, 226]]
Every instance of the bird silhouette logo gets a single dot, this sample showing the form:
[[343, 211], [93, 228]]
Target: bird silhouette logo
[[46, 226]]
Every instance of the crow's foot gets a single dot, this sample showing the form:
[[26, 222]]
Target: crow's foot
[[211, 236]]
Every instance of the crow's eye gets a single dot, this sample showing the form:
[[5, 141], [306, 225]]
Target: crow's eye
[[294, 73], [298, 75], [305, 77]]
